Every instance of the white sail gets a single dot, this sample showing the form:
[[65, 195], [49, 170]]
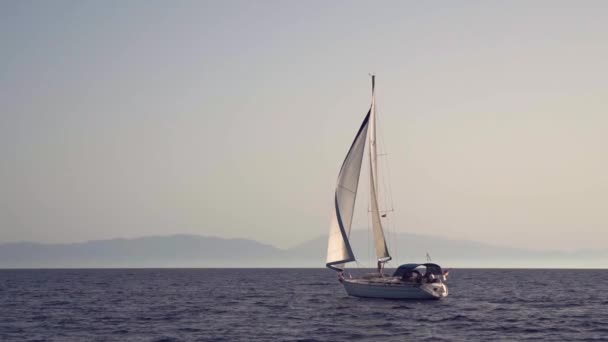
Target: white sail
[[379, 240], [403, 283], [338, 247]]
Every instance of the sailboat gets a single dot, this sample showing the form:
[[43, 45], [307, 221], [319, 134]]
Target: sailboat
[[409, 281]]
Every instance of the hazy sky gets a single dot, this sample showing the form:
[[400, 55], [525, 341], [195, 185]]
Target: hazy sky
[[231, 118]]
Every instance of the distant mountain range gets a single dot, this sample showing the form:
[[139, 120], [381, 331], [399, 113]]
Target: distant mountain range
[[202, 251]]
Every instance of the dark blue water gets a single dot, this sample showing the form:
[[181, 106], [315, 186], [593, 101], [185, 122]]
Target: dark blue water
[[295, 305]]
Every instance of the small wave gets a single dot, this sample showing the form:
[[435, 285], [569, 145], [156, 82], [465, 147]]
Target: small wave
[[120, 332], [57, 303], [166, 339], [456, 317], [314, 300], [400, 307]]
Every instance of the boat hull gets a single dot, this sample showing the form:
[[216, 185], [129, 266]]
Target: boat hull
[[393, 290]]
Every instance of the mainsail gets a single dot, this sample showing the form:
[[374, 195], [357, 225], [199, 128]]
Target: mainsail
[[379, 240], [338, 247]]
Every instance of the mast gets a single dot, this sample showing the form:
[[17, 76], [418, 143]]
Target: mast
[[382, 253]]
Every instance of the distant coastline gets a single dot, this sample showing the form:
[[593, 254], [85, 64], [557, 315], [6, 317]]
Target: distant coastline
[[194, 251]]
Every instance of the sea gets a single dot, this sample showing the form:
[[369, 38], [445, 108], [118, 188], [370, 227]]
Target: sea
[[296, 305]]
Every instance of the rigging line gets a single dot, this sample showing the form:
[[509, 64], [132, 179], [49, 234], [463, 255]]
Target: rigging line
[[392, 210], [382, 211], [393, 215], [368, 230], [386, 183], [381, 194], [385, 160]]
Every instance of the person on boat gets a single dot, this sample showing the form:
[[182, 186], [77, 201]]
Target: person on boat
[[413, 276], [418, 276]]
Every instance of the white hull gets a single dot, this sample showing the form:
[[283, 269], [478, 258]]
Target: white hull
[[394, 289]]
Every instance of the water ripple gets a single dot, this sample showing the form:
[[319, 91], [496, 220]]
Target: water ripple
[[294, 305]]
